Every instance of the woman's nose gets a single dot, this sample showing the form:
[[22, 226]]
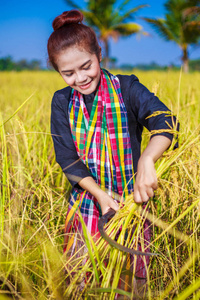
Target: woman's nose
[[81, 77]]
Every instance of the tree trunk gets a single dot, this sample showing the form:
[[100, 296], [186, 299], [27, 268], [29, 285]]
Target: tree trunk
[[185, 59], [106, 58]]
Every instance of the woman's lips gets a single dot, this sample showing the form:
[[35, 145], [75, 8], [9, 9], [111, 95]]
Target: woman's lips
[[85, 86]]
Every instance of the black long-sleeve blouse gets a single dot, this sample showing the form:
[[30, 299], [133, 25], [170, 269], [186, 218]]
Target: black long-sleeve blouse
[[140, 103]]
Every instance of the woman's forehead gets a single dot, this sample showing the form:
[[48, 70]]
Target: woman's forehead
[[74, 57]]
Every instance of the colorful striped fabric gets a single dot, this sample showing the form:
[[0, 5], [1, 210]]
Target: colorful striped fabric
[[102, 141]]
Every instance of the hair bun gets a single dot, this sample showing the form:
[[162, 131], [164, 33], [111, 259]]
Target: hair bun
[[67, 17]]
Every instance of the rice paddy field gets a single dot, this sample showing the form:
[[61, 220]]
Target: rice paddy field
[[34, 201]]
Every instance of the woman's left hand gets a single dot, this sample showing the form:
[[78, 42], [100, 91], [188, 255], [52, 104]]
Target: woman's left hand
[[146, 180]]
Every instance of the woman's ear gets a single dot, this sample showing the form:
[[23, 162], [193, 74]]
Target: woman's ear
[[100, 55]]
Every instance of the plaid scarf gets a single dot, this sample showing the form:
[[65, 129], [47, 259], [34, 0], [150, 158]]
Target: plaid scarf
[[102, 141]]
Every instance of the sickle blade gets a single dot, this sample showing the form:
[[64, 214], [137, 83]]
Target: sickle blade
[[102, 221]]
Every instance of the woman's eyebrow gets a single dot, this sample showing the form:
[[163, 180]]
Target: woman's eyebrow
[[83, 65], [88, 61]]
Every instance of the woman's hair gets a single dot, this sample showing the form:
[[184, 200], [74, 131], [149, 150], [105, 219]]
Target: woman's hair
[[69, 31]]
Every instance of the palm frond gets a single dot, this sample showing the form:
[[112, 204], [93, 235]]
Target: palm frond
[[160, 27], [193, 25], [133, 10], [192, 32], [92, 20], [191, 11], [123, 4], [129, 14], [73, 4], [128, 28]]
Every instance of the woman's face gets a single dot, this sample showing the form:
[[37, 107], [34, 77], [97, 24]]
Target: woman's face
[[79, 69]]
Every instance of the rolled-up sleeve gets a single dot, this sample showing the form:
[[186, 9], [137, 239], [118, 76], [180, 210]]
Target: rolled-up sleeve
[[66, 154]]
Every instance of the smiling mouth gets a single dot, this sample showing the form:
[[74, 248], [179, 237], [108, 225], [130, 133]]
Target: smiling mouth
[[85, 86]]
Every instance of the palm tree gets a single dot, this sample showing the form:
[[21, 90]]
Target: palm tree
[[109, 20], [181, 25]]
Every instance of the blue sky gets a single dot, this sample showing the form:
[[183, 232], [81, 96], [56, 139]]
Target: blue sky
[[26, 25]]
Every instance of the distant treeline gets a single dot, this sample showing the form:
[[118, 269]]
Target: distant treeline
[[8, 64], [194, 65]]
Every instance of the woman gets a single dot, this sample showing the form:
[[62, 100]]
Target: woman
[[96, 125]]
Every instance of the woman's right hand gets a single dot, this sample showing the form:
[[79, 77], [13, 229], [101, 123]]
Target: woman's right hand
[[106, 202]]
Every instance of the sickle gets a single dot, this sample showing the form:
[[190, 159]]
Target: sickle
[[102, 221]]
